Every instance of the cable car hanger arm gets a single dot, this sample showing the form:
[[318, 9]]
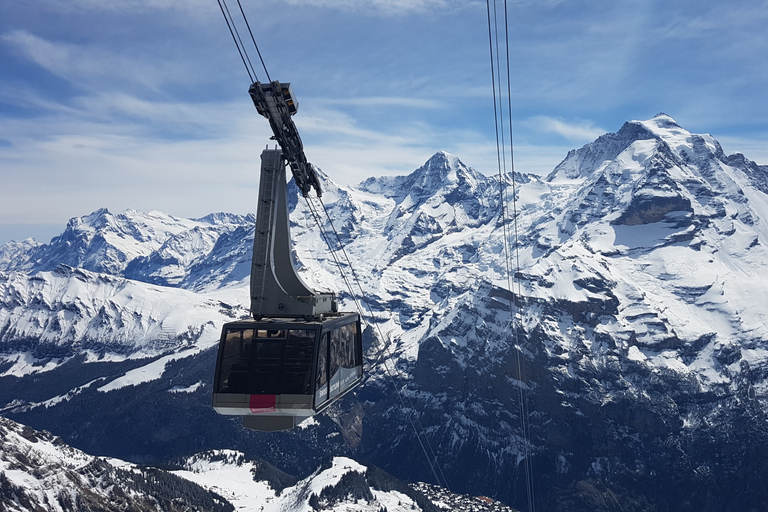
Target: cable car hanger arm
[[276, 102]]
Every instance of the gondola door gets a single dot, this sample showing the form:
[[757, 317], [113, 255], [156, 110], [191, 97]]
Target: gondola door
[[322, 371], [339, 362]]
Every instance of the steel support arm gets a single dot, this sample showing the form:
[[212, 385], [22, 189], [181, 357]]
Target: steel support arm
[[276, 102]]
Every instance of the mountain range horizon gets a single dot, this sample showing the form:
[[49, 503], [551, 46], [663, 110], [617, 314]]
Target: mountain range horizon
[[635, 309]]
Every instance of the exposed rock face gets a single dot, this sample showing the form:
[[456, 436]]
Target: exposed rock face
[[628, 356]]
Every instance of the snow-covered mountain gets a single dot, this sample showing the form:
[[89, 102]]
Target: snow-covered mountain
[[38, 471], [340, 484], [634, 330]]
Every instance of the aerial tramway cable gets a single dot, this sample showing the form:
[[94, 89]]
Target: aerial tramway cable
[[245, 18], [415, 423], [236, 38], [498, 112], [524, 410]]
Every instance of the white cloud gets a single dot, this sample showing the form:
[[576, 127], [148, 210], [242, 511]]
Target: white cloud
[[90, 66], [158, 116], [386, 101], [387, 7], [574, 131]]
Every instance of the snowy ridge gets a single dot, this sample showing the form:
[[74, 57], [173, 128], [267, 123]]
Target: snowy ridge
[[152, 247], [235, 481]]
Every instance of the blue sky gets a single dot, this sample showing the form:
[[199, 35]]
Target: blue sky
[[143, 103]]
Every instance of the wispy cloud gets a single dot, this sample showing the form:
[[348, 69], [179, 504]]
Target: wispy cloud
[[386, 101], [386, 7], [79, 166], [143, 103], [89, 66], [574, 131]]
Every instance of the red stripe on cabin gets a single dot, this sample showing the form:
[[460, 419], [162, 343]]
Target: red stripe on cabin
[[262, 403]]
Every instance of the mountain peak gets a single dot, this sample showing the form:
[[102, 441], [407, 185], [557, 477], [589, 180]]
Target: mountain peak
[[663, 126], [95, 220], [442, 165], [666, 119], [443, 171], [442, 158], [662, 131]]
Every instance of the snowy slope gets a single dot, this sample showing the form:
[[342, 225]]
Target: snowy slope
[[342, 484], [655, 230], [39, 472], [673, 233], [48, 318], [233, 478]]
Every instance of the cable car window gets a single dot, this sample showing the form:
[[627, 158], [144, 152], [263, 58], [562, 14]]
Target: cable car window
[[233, 376], [272, 334], [265, 364], [347, 346], [356, 345], [344, 344], [297, 369]]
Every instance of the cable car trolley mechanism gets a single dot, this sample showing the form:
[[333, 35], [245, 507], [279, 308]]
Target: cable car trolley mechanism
[[296, 354]]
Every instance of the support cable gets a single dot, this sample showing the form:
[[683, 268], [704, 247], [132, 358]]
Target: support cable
[[239, 50], [326, 238], [524, 409], [387, 348], [501, 160], [234, 25], [496, 109], [415, 422], [254, 41]]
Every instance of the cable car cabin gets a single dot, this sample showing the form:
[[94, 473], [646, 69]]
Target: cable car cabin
[[276, 372]]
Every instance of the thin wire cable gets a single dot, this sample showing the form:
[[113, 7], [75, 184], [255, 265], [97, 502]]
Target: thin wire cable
[[432, 461], [234, 25], [496, 109], [501, 104], [524, 412], [229, 26], [354, 275], [499, 112], [431, 456], [254, 41], [318, 221]]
